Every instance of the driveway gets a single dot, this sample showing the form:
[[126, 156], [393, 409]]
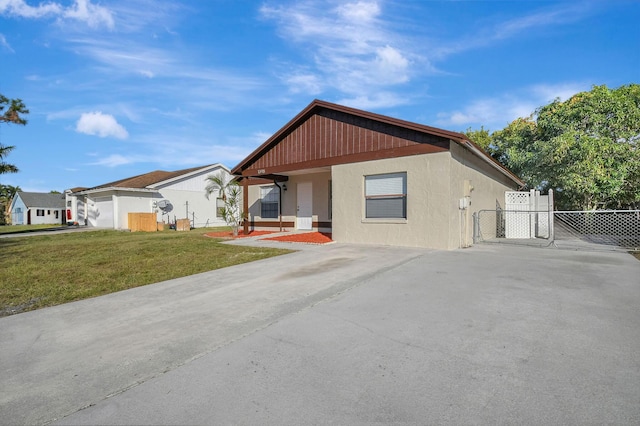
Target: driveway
[[343, 334]]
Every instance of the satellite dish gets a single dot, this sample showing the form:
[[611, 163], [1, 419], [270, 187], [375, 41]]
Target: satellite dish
[[165, 206]]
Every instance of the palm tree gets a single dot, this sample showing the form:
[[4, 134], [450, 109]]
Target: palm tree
[[12, 115], [230, 193], [4, 166]]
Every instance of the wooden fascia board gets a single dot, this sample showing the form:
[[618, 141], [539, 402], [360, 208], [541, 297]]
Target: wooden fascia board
[[346, 159]]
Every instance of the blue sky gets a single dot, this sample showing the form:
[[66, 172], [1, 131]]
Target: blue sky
[[118, 88]]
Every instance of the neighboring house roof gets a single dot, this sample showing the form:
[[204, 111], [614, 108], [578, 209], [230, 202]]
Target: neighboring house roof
[[308, 140], [148, 180], [42, 200]]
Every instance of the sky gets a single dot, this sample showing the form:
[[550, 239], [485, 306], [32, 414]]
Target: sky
[[118, 88]]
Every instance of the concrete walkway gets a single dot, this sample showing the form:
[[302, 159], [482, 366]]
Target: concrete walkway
[[343, 334]]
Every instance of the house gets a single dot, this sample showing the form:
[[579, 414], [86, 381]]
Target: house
[[372, 179], [171, 195], [37, 208]]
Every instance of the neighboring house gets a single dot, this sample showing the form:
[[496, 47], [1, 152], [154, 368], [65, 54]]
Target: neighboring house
[[368, 178], [171, 195], [37, 208]]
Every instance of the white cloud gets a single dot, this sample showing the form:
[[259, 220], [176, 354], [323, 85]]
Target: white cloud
[[375, 101], [350, 46], [22, 9], [81, 10], [359, 11], [496, 112], [304, 82], [93, 15], [391, 66], [103, 125], [113, 160], [527, 24], [4, 43]]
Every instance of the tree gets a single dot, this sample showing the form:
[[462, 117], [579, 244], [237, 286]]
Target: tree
[[4, 166], [230, 193], [585, 148], [11, 116], [481, 137], [7, 192]]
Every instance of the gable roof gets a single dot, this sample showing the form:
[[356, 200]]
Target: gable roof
[[395, 138], [42, 200], [147, 180]]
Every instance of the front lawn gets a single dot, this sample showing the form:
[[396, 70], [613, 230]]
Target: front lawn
[[47, 270], [9, 229]]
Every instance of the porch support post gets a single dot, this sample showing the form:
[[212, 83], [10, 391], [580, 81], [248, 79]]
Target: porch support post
[[245, 205], [275, 182]]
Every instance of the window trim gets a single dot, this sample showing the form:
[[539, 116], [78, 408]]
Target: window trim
[[219, 205], [389, 196]]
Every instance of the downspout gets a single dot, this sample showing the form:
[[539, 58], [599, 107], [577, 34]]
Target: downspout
[[279, 202]]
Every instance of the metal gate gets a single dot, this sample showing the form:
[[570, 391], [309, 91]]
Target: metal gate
[[529, 219], [589, 230], [615, 229]]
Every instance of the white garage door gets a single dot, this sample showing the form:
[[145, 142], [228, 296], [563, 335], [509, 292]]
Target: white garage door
[[104, 212]]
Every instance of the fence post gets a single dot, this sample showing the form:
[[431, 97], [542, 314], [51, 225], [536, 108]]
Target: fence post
[[552, 234], [475, 227]]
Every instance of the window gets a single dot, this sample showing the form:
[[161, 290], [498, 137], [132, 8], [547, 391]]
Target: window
[[39, 212], [269, 200], [386, 196], [57, 214], [219, 207]]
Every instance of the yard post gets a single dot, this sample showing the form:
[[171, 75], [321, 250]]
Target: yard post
[[475, 227], [552, 235]]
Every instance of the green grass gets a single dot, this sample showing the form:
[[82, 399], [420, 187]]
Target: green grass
[[47, 270], [7, 229]]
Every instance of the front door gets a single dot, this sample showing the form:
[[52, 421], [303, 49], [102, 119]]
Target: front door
[[305, 206]]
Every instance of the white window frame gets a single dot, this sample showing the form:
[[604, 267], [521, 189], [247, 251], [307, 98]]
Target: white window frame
[[219, 205], [385, 196]]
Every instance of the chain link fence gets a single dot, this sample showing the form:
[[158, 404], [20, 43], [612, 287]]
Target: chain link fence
[[599, 229]]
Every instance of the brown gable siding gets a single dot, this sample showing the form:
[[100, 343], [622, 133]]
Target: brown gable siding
[[332, 134], [326, 134]]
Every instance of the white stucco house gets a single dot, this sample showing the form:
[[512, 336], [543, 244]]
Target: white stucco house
[[37, 208], [171, 195]]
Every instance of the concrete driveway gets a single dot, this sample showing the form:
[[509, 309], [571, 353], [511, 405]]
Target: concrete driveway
[[343, 334]]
